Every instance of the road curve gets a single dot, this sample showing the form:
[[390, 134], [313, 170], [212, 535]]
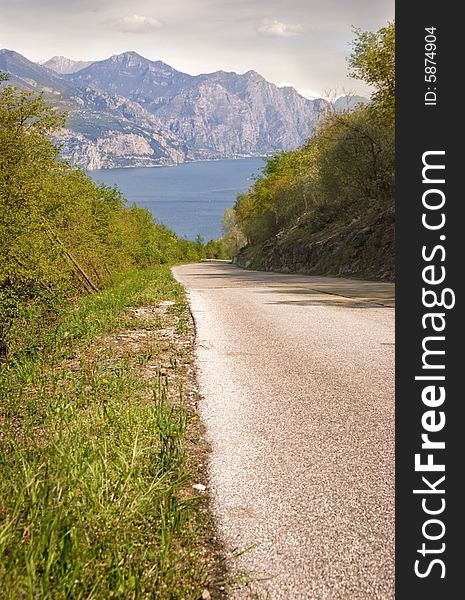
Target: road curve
[[297, 375]]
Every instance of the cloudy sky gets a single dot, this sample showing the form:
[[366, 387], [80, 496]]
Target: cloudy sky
[[300, 42]]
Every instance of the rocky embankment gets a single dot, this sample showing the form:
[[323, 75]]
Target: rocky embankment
[[363, 249]]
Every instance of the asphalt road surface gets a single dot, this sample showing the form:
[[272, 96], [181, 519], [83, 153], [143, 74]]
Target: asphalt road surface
[[297, 374]]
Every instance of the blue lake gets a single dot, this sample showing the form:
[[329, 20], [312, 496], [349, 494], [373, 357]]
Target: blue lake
[[190, 198]]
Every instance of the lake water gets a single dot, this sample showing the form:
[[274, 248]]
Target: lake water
[[190, 198]]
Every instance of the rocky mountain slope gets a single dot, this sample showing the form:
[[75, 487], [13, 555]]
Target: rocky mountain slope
[[216, 115], [103, 130], [131, 111], [61, 64]]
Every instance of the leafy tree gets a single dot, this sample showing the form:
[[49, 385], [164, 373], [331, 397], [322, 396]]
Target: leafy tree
[[217, 249], [233, 239], [373, 61], [344, 171], [356, 160], [62, 234]]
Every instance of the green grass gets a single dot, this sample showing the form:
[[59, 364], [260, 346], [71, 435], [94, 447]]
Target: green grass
[[94, 482]]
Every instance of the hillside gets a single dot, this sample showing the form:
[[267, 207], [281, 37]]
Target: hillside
[[328, 207], [364, 249], [131, 111], [217, 115], [96, 365]]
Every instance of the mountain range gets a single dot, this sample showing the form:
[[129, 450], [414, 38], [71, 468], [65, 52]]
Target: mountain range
[[129, 111]]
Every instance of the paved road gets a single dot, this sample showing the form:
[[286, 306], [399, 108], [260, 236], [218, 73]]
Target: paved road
[[297, 374]]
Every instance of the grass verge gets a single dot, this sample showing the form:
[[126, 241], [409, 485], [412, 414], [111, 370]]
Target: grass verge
[[96, 471]]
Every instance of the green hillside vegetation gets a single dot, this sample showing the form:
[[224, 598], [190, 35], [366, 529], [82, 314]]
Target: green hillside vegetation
[[97, 452], [62, 235], [99, 448], [340, 183]]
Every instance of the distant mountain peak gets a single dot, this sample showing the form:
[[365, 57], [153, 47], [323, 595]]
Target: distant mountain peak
[[11, 54], [130, 58], [129, 54], [63, 65], [58, 59], [348, 102], [254, 75], [30, 74], [134, 59]]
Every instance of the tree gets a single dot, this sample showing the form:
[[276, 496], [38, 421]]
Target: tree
[[233, 238], [27, 158], [356, 161], [62, 235], [343, 174], [373, 61]]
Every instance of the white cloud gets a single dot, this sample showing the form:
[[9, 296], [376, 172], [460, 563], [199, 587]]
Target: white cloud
[[275, 28], [138, 24]]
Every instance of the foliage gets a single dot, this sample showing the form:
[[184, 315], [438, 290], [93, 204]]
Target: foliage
[[344, 170], [62, 234], [217, 249], [233, 239], [373, 61]]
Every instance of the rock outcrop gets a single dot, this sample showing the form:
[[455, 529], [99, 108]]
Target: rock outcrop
[[363, 249]]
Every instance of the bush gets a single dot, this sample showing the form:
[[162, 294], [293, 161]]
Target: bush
[[62, 234], [344, 170]]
